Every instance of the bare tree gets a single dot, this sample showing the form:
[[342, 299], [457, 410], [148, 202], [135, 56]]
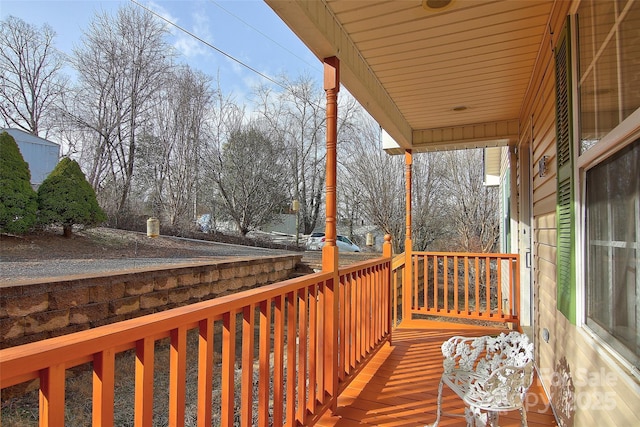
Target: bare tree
[[296, 117], [373, 187], [376, 179], [472, 208], [170, 152], [251, 178], [122, 63], [428, 216], [223, 119], [31, 78]]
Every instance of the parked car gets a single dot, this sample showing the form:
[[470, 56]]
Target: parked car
[[315, 242]]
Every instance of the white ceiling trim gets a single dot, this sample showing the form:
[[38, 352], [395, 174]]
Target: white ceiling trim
[[481, 135]]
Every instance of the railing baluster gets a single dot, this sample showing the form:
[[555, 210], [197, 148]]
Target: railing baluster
[[144, 382], [363, 318], [456, 284], [353, 309], [177, 376], [302, 354], [499, 281], [364, 278], [248, 331], [264, 352], [436, 305], [313, 347], [291, 359], [445, 268], [488, 287], [466, 285], [322, 287], [52, 396], [396, 275], [377, 300], [343, 346], [331, 343], [228, 369], [205, 371], [278, 361], [103, 388], [477, 293], [415, 282]]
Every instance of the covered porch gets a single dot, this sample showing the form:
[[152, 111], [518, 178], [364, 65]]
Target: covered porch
[[329, 348], [345, 346], [399, 385]]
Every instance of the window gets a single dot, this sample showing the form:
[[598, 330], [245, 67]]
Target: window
[[608, 51], [612, 251], [609, 66]]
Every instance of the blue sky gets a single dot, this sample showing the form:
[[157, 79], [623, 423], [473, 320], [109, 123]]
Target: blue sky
[[245, 29]]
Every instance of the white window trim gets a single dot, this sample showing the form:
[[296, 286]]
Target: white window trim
[[618, 138], [621, 136]]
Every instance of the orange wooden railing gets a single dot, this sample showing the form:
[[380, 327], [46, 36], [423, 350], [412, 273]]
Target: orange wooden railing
[[283, 333], [462, 285]]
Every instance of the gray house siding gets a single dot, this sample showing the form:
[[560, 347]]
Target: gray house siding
[[41, 154]]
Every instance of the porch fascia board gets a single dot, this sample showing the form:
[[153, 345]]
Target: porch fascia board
[[325, 37]]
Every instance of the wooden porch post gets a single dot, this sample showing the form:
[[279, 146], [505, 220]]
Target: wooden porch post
[[330, 250], [408, 268]]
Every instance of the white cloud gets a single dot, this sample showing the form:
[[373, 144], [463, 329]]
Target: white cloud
[[185, 44], [200, 26]]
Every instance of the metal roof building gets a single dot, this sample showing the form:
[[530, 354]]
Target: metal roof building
[[41, 154]]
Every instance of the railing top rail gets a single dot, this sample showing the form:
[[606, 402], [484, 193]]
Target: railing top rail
[[468, 254], [397, 261]]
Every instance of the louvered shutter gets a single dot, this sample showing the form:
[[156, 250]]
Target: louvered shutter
[[565, 262]]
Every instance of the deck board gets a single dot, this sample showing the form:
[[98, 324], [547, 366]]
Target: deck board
[[399, 386]]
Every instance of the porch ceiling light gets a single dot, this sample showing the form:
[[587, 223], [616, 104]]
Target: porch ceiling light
[[436, 5]]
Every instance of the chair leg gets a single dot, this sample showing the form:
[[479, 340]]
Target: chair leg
[[477, 418], [523, 416], [493, 419], [439, 410]]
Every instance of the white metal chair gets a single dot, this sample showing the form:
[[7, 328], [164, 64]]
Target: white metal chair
[[490, 374]]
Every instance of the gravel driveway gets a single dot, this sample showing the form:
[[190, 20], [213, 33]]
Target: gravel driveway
[[34, 258], [26, 259]]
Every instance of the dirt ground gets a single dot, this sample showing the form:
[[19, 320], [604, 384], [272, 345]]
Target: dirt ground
[[105, 243], [49, 254]]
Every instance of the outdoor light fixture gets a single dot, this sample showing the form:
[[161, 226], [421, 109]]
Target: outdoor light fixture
[[435, 5], [542, 166]]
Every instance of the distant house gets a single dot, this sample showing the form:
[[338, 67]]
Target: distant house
[[41, 154]]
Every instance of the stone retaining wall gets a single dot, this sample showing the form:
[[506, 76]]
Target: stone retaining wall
[[37, 311]]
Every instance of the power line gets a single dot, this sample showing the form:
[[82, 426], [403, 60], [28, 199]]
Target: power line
[[261, 33], [184, 30]]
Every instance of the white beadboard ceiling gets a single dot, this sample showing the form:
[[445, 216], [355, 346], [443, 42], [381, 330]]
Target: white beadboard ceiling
[[410, 66]]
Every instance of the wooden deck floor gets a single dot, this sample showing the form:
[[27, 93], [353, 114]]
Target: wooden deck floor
[[399, 386]]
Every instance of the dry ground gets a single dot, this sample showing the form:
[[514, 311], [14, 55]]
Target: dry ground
[[100, 242], [48, 255]]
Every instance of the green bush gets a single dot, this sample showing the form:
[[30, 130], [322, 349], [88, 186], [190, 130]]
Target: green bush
[[18, 201], [66, 198]]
